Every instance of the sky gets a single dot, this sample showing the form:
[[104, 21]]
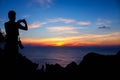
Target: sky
[[66, 22]]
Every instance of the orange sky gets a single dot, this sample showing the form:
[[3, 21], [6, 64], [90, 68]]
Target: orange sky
[[82, 40]]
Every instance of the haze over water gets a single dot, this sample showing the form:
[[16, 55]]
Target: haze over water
[[63, 55]]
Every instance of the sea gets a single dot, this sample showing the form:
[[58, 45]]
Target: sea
[[63, 55]]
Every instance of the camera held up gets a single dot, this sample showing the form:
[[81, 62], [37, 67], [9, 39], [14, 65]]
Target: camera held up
[[21, 20]]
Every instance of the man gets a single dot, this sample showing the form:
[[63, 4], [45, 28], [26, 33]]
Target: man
[[12, 32]]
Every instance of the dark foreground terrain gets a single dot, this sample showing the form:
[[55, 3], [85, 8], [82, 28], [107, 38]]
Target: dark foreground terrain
[[93, 66]]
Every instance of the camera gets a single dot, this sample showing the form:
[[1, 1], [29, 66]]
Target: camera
[[21, 20], [20, 44]]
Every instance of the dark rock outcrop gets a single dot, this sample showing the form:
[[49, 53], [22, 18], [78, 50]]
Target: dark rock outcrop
[[17, 68], [101, 66], [93, 66]]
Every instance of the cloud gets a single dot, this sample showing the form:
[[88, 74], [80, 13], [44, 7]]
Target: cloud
[[1, 19], [44, 3], [26, 16], [84, 23], [101, 22], [39, 24], [61, 20], [63, 29], [60, 29], [80, 40], [104, 27], [36, 24], [96, 39]]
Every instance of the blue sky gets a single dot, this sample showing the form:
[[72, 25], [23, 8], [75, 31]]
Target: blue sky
[[57, 21]]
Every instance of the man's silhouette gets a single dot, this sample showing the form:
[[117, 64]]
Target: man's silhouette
[[12, 33]]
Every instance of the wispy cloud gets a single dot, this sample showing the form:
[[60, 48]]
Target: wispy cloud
[[61, 20], [68, 29], [96, 39], [26, 16], [96, 36], [1, 19], [44, 3], [36, 24], [101, 22], [104, 27], [40, 24], [63, 29], [84, 23], [80, 40]]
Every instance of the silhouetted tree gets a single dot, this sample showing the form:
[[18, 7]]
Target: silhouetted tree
[[2, 37]]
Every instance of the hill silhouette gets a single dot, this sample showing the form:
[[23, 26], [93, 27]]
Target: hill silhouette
[[93, 66]]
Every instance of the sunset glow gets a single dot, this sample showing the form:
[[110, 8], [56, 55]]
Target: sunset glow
[[82, 40], [59, 43], [66, 22]]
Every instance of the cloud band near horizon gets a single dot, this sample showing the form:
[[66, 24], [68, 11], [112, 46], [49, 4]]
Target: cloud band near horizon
[[82, 40]]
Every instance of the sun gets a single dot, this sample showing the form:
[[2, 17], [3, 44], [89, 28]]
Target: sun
[[59, 43]]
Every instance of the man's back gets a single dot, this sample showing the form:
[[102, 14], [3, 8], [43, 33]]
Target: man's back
[[11, 29]]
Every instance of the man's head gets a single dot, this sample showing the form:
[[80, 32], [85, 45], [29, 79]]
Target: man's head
[[12, 15]]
